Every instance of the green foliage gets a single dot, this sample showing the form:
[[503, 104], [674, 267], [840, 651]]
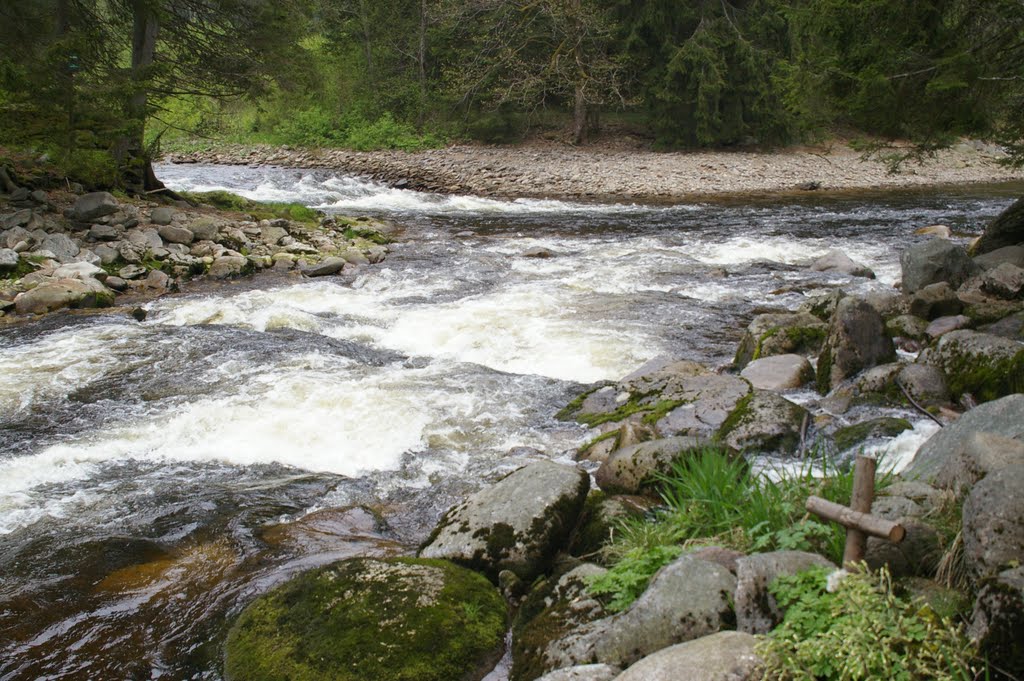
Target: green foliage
[[259, 210], [628, 578], [860, 630]]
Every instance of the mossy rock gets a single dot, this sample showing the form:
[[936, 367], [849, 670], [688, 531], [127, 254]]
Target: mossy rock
[[985, 366], [851, 436], [402, 619], [780, 334]]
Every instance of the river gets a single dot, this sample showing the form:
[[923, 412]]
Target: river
[[151, 474]]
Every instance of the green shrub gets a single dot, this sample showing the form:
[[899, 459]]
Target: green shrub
[[860, 630], [630, 576]]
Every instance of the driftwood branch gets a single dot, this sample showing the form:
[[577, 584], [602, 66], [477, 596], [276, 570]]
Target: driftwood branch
[[869, 524]]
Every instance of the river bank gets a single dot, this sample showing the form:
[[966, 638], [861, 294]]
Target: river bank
[[559, 171]]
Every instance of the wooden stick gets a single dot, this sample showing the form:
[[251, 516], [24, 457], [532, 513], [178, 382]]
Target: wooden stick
[[860, 501], [869, 524]]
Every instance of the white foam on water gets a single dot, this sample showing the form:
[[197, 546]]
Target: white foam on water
[[896, 454]]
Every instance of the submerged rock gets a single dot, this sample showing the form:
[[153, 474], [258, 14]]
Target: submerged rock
[[837, 261], [363, 619], [516, 524]]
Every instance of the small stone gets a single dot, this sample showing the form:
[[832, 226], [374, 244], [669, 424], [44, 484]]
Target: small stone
[[8, 260], [116, 283], [139, 314], [94, 205], [130, 272], [176, 235], [325, 267], [162, 215], [943, 325], [104, 233]]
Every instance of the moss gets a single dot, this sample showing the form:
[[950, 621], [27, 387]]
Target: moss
[[24, 267], [353, 621], [371, 235], [584, 451], [851, 436], [824, 375], [257, 209], [737, 417], [660, 410], [805, 337], [985, 380], [759, 347], [569, 411]]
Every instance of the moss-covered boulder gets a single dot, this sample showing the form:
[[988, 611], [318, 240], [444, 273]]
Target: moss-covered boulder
[[780, 334], [986, 366], [601, 514], [856, 340], [849, 437], [389, 620], [1006, 230], [630, 469], [517, 524], [764, 422], [997, 623]]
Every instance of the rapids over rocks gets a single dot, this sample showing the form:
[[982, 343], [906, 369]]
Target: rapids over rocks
[[151, 474]]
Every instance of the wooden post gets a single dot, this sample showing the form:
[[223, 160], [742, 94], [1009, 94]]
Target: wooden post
[[860, 501]]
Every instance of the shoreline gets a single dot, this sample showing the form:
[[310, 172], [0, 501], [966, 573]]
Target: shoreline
[[594, 173]]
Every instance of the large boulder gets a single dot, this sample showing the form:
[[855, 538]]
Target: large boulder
[[757, 612], [1006, 230], [919, 553], [725, 656], [856, 341], [95, 205], [997, 623], [837, 261], [779, 372], [764, 422], [583, 672], [61, 245], [934, 301], [993, 522], [982, 364], [629, 469], [987, 438], [780, 334], [517, 524], [934, 261], [687, 599], [1003, 281], [1013, 255], [365, 618], [61, 293], [8, 260]]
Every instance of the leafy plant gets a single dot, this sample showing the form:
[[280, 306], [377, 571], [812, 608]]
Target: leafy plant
[[630, 576], [859, 630]]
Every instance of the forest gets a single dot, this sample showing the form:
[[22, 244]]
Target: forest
[[100, 86]]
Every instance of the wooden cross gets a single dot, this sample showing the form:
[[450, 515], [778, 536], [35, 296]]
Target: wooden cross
[[857, 519]]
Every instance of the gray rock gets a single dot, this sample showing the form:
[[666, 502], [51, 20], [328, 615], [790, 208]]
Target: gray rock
[[687, 599], [1006, 230], [227, 266], [19, 219], [62, 293], [205, 229], [108, 255], [95, 205], [157, 280], [327, 266], [61, 245], [822, 305], [764, 422], [583, 672], [628, 469], [926, 384], [176, 235], [116, 283], [993, 522], [8, 260], [375, 253], [539, 252], [271, 234], [130, 272], [78, 270], [162, 215], [757, 612], [919, 553], [1007, 254], [1011, 327], [725, 656], [131, 252], [147, 239], [934, 261], [837, 261], [953, 459], [704, 404], [907, 326], [856, 341], [1003, 281], [354, 256], [943, 325], [516, 524], [984, 365], [997, 623], [779, 372], [104, 233], [935, 300], [14, 236], [780, 334]]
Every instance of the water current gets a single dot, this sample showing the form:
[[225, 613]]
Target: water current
[[155, 476]]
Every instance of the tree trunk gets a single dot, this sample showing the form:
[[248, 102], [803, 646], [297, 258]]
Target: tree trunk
[[364, 20], [421, 58], [136, 166], [579, 116]]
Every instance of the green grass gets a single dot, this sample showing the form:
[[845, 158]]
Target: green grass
[[712, 497], [257, 209]]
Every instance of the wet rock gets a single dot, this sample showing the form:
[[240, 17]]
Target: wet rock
[[983, 365], [371, 619], [326, 267], [1003, 281], [907, 326], [227, 266], [583, 672], [347, 531], [1013, 255], [725, 656], [61, 246], [757, 612], [934, 261], [856, 341], [997, 623], [1006, 230], [926, 384], [823, 305], [539, 252], [686, 599], [176, 235], [941, 231], [993, 522], [837, 261], [780, 372], [764, 422], [88, 207], [162, 215], [935, 300], [516, 524], [8, 260], [884, 427], [627, 470], [953, 459], [780, 334], [943, 325], [62, 293]]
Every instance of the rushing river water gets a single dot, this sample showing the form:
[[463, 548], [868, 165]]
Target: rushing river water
[[150, 473]]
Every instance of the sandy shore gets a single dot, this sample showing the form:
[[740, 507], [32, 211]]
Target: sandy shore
[[582, 173]]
